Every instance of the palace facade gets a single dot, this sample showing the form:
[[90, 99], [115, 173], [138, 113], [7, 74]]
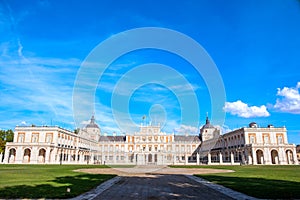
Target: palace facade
[[149, 146], [249, 145]]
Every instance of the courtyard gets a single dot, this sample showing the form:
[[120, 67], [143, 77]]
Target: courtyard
[[67, 181]]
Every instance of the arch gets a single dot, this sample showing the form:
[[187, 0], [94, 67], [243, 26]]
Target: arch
[[12, 155], [42, 155], [289, 156], [274, 157], [260, 156], [27, 155]]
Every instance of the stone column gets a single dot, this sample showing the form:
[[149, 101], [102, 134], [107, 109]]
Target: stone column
[[76, 156], [6, 156], [221, 158], [198, 160], [250, 160], [254, 157], [231, 158], [295, 157], [282, 157], [186, 159], [174, 159], [103, 158], [54, 157], [69, 156], [34, 157], [81, 158], [243, 157], [47, 156], [209, 158], [126, 158], [267, 156], [92, 158], [289, 158]]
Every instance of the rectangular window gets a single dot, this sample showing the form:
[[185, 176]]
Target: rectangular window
[[21, 137], [279, 138], [266, 138], [252, 138], [49, 137], [182, 149], [35, 137]]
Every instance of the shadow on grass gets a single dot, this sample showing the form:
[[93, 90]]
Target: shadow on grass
[[78, 184], [258, 187]]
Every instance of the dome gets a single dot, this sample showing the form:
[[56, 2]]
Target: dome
[[253, 125], [92, 124], [207, 124]]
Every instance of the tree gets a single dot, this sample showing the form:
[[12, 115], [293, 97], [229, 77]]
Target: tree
[[5, 136]]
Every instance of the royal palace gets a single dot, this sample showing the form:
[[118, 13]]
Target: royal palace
[[150, 146]]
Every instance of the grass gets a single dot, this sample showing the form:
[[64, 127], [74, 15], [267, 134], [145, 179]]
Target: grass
[[268, 182], [47, 181]]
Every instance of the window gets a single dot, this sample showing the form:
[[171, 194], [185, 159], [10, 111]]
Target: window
[[182, 148], [35, 137], [188, 149], [21, 137], [49, 137], [279, 139], [252, 140], [266, 138]]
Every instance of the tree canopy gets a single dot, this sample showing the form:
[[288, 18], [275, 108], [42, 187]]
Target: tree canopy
[[5, 136]]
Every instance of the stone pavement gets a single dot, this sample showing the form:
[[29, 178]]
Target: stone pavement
[[155, 187], [159, 182]]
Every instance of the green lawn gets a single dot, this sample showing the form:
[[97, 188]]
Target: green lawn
[[268, 182], [47, 181]]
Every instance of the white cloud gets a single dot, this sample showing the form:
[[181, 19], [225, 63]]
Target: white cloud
[[183, 129], [289, 99], [224, 129], [243, 110]]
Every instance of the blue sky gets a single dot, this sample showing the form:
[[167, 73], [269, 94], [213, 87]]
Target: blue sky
[[254, 44]]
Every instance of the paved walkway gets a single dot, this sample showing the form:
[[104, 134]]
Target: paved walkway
[[158, 182], [154, 187]]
